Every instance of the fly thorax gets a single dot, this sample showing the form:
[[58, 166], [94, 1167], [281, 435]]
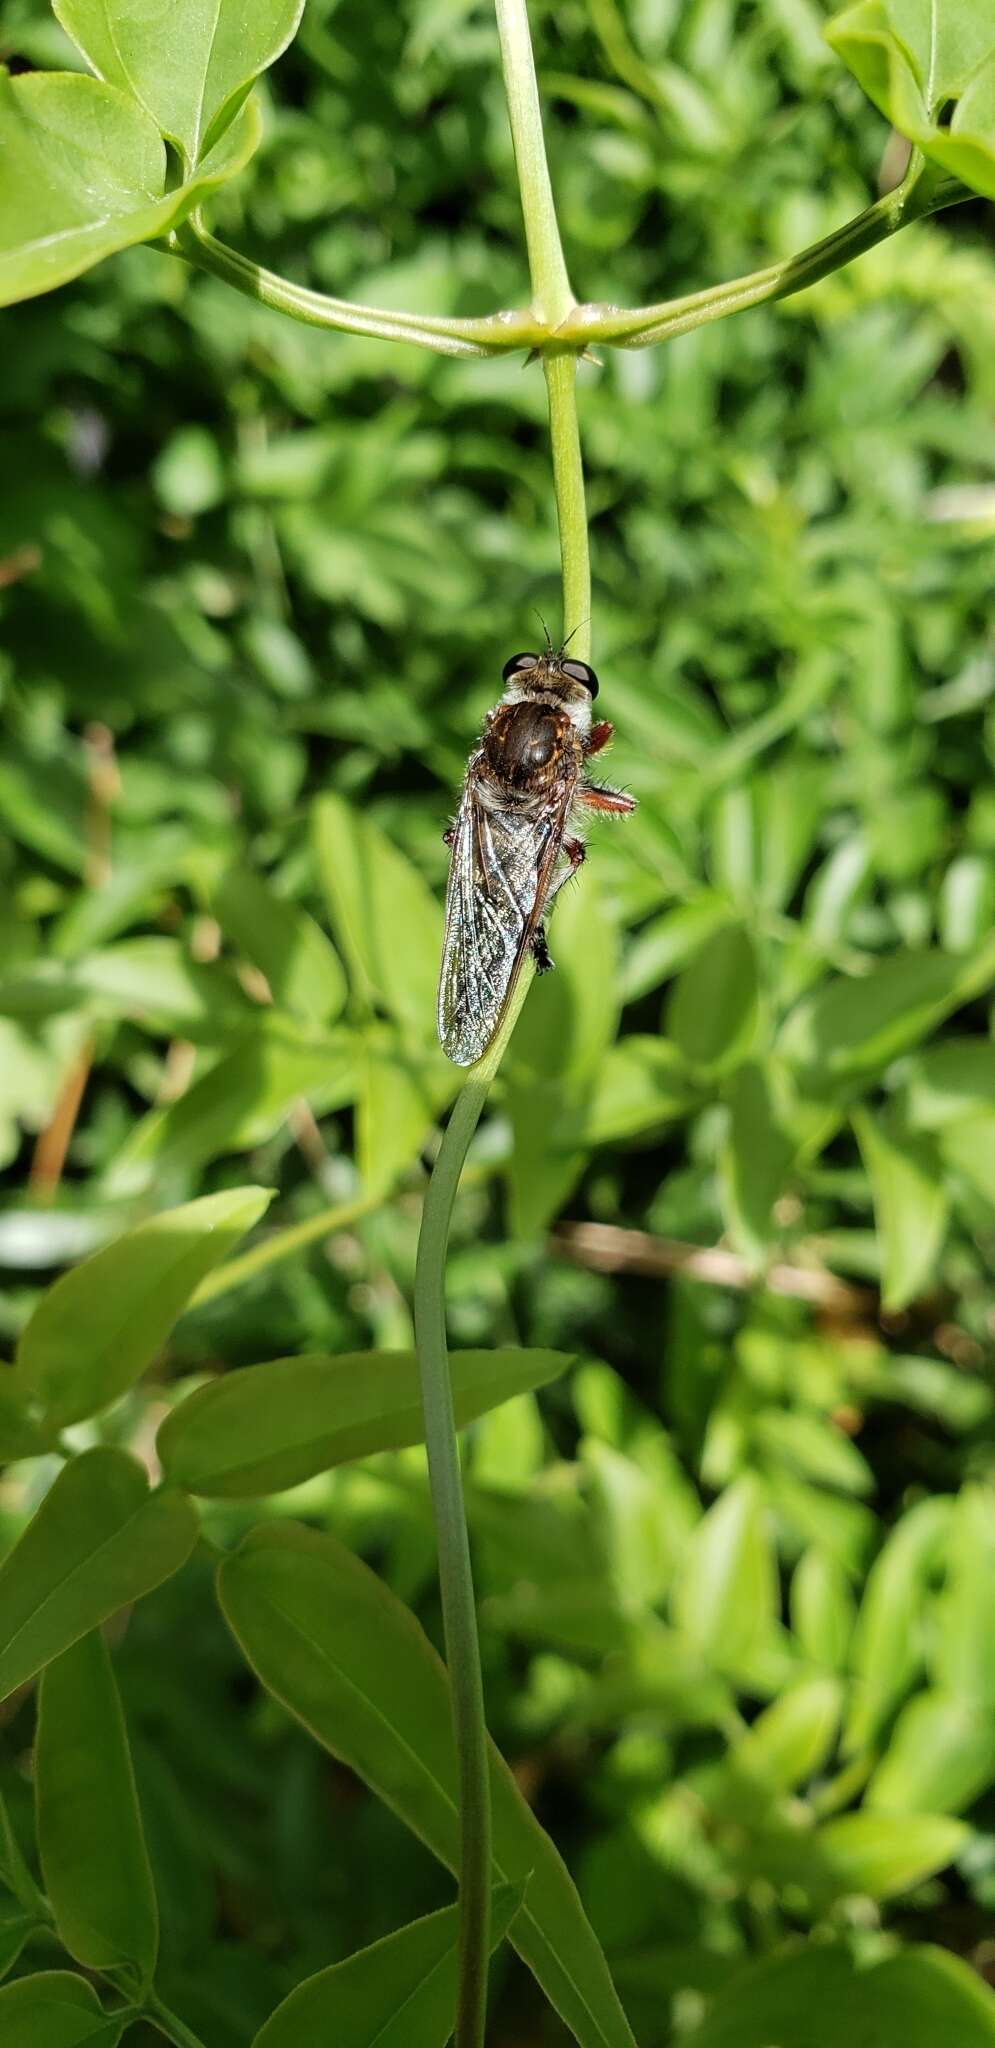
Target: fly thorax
[[529, 743]]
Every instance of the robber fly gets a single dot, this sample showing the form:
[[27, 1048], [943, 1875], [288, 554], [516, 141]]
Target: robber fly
[[512, 851]]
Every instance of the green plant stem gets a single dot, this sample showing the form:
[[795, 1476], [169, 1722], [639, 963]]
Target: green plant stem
[[552, 297], [560, 366], [641, 326], [455, 1572], [168, 2023], [494, 335], [284, 1243]]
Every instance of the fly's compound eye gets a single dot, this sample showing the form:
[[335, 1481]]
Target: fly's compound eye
[[579, 672], [517, 664]]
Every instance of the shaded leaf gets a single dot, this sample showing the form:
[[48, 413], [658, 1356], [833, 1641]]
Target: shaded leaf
[[300, 964], [931, 70], [824, 1996], [713, 1009], [399, 1993], [55, 2010], [329, 1640], [93, 1856], [98, 1541], [384, 916]]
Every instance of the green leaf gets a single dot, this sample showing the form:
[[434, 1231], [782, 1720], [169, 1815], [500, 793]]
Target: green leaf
[[241, 1101], [961, 1651], [90, 1841], [969, 1147], [641, 1084], [755, 1162], [915, 62], [384, 916], [14, 1931], [399, 1993], [556, 1051], [400, 1096], [950, 1082], [326, 1636], [940, 1758], [95, 1331], [855, 1024], [881, 1854], [714, 1007], [189, 66], [911, 1206], [822, 1609], [267, 1427], [55, 2010], [301, 965], [887, 1644], [824, 1997], [725, 1599], [98, 1541], [85, 174]]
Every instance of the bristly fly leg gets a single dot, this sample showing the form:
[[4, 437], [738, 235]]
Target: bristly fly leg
[[449, 835], [596, 796], [598, 737], [540, 950]]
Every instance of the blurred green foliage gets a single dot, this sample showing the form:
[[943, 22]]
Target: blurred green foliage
[[737, 1567]]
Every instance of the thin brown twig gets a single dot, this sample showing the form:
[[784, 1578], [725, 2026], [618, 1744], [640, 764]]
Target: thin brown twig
[[608, 1248]]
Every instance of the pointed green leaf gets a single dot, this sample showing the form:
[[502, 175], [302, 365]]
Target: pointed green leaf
[[726, 1596], [85, 174], [301, 965], [387, 922], [326, 1636], [266, 1427], [755, 1162], [95, 1331], [888, 1638], [822, 1609], [93, 1856], [399, 1993], [98, 1541], [911, 1206], [189, 65], [940, 1758], [241, 1101], [713, 1009], [881, 1854], [55, 2010]]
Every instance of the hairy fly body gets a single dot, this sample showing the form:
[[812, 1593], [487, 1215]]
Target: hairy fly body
[[515, 839]]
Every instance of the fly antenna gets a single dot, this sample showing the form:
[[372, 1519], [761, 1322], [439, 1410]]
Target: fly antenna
[[545, 628], [571, 635]]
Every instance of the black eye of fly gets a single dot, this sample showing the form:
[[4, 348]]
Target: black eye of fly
[[579, 672], [517, 662]]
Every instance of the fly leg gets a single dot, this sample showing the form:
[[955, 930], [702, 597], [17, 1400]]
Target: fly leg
[[596, 796], [575, 853], [540, 950], [449, 835], [599, 736]]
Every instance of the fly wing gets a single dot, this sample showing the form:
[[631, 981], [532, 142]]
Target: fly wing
[[499, 876]]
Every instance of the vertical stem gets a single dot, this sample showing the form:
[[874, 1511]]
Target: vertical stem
[[459, 1615], [552, 301], [560, 366], [552, 296]]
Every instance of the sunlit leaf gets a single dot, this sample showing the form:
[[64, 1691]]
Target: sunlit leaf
[[189, 67], [98, 1328], [267, 1427], [85, 174]]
